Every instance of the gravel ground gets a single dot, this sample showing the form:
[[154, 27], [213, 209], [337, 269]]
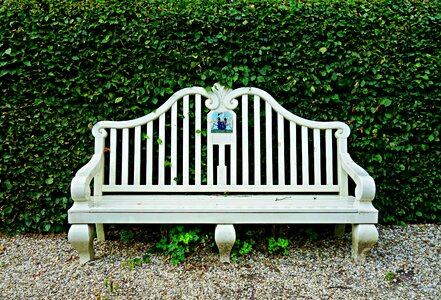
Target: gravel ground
[[405, 264]]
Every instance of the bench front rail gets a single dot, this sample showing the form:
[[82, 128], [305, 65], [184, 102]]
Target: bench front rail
[[222, 157]]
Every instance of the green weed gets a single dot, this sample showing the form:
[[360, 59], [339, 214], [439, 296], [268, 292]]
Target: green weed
[[278, 246]]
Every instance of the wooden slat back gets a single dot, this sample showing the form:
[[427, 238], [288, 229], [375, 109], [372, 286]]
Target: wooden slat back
[[269, 150]]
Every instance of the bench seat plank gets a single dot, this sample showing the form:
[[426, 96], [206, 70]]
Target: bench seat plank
[[210, 209], [232, 203]]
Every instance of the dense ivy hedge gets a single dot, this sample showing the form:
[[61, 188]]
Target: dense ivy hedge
[[64, 65]]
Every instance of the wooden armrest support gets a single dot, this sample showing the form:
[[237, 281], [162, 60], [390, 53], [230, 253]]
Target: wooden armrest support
[[80, 186], [365, 184]]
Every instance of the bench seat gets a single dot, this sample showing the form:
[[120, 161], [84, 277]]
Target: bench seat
[[218, 209]]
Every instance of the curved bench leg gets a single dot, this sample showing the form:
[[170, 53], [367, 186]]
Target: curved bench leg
[[225, 236], [364, 236], [81, 237]]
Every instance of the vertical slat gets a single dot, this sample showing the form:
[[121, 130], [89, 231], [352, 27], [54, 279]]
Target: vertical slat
[[137, 159], [161, 146], [293, 152], [256, 140], [210, 167], [305, 157], [174, 141], [198, 147], [186, 156], [245, 163], [317, 155], [149, 159], [281, 149], [329, 167], [125, 157], [269, 143], [113, 153], [221, 169], [233, 164]]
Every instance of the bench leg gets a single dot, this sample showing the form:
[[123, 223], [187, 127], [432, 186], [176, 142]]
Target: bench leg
[[81, 237], [339, 230], [225, 236], [364, 236], [100, 235]]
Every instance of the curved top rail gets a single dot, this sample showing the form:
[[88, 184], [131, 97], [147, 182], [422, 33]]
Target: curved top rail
[[221, 97], [343, 130], [98, 129]]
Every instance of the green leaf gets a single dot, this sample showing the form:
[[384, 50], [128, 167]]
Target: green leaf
[[322, 50]]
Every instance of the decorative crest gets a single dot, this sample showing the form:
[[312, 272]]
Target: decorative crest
[[219, 98], [219, 91]]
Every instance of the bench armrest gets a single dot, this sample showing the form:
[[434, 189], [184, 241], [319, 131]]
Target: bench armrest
[[80, 186], [365, 184]]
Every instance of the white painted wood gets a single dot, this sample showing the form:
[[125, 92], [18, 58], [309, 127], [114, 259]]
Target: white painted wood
[[174, 146], [98, 179], [317, 157], [149, 159], [186, 135], [269, 143], [137, 158], [113, 153], [305, 156], [329, 157], [81, 238], [245, 161], [293, 152], [220, 203], [161, 147], [315, 217], [303, 202], [341, 173], [281, 149], [125, 157], [233, 163], [257, 149], [222, 168], [219, 188], [210, 154], [225, 236], [100, 234], [80, 185], [364, 236], [365, 184], [198, 140]]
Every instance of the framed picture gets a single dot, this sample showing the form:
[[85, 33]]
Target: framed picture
[[221, 122]]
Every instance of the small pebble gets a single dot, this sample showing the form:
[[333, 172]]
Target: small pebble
[[404, 264]]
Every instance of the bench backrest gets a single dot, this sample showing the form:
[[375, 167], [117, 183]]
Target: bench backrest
[[221, 141]]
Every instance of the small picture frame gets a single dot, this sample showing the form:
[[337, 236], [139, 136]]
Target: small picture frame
[[222, 122]]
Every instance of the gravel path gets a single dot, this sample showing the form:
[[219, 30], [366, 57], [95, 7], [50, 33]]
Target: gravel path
[[405, 264]]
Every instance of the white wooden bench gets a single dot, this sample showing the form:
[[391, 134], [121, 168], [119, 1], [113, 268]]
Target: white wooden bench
[[222, 157]]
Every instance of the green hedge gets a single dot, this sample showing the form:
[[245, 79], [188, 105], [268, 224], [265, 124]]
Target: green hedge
[[65, 65]]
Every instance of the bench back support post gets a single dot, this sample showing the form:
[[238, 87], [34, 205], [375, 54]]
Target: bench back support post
[[98, 180], [342, 175]]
